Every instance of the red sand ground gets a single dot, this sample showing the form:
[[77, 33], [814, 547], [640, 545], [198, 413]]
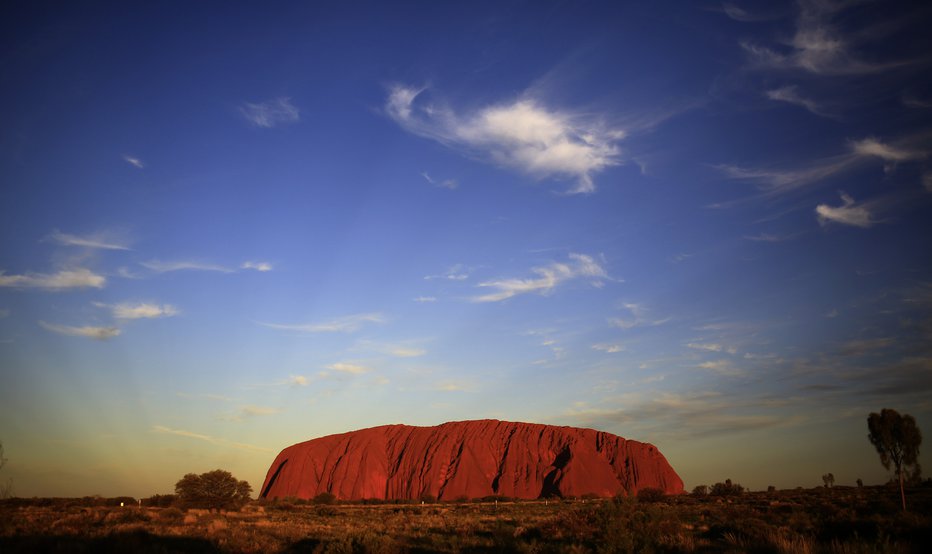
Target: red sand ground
[[470, 459]]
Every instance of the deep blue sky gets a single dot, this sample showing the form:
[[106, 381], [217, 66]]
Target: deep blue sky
[[226, 229]]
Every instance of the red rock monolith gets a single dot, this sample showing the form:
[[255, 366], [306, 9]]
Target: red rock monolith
[[468, 459]]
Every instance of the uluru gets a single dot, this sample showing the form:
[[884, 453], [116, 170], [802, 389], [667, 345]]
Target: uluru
[[468, 459]]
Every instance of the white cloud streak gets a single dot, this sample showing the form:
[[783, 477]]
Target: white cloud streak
[[548, 278], [297, 381], [637, 318], [405, 352], [97, 333], [64, 279], [450, 184], [140, 310], [345, 324], [161, 429], [846, 214], [873, 147], [780, 180], [134, 161], [346, 367], [165, 267], [790, 95], [457, 272], [608, 348], [258, 266], [271, 113], [522, 135], [818, 46], [425, 299], [101, 241]]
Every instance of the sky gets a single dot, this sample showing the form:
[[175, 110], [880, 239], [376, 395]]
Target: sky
[[227, 228]]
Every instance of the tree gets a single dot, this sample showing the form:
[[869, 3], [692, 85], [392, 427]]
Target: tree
[[896, 438], [726, 489], [829, 480], [214, 489]]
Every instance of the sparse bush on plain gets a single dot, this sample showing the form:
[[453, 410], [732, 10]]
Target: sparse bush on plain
[[803, 520], [726, 489], [650, 495], [213, 489], [700, 490], [324, 498]]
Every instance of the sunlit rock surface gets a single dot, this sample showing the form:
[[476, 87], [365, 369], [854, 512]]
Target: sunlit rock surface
[[471, 459]]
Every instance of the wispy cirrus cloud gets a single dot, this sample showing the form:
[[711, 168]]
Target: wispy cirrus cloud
[[271, 113], [637, 317], [790, 95], [250, 411], [548, 278], [425, 299], [100, 240], [776, 180], [819, 45], [258, 266], [723, 367], [297, 381], [450, 184], [874, 147], [768, 237], [523, 135], [608, 348], [406, 352], [91, 332], [680, 416], [345, 324], [139, 310], [740, 14], [457, 272], [348, 367], [65, 279], [162, 430], [779, 180], [847, 214], [134, 161], [159, 266], [711, 347]]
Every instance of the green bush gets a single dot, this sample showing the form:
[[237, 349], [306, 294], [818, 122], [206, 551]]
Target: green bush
[[324, 498], [650, 495], [213, 489]]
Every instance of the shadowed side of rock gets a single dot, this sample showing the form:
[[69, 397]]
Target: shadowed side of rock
[[471, 459]]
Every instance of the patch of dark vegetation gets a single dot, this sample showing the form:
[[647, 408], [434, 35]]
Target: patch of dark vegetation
[[139, 542], [836, 520]]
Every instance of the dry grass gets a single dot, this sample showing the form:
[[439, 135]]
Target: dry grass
[[838, 521]]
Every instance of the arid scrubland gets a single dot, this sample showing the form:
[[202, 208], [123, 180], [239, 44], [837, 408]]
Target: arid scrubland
[[836, 520]]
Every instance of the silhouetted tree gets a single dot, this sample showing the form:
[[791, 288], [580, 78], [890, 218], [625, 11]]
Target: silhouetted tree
[[896, 438], [700, 490], [214, 489], [650, 495], [828, 480], [726, 489], [860, 482]]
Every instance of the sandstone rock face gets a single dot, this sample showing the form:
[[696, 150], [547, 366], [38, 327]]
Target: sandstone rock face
[[470, 459]]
